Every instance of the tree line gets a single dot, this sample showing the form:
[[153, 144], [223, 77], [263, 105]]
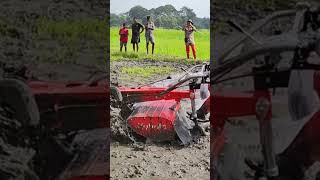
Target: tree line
[[164, 16]]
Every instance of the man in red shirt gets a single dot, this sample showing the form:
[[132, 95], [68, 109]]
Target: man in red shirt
[[124, 33]]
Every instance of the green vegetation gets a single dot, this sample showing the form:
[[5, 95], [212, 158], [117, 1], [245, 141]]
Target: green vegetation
[[7, 29], [146, 71], [71, 30], [71, 36], [169, 46]]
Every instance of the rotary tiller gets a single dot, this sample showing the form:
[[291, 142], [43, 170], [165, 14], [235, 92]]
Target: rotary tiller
[[159, 113]]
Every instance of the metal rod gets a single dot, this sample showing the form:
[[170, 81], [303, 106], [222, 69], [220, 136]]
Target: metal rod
[[240, 29]]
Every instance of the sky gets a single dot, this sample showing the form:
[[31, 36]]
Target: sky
[[200, 7]]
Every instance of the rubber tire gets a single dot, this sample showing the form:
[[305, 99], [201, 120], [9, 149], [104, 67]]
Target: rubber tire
[[95, 79], [115, 93], [18, 96]]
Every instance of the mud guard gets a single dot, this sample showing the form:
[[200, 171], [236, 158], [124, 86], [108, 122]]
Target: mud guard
[[182, 126]]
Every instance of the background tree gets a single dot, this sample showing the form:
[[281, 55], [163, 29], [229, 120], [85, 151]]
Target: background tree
[[163, 16], [187, 13], [139, 12]]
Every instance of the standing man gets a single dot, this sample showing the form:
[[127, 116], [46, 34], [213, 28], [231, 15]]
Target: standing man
[[189, 30], [149, 33], [137, 29], [124, 33]]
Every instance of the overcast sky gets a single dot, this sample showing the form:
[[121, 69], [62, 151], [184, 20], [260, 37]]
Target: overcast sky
[[200, 7]]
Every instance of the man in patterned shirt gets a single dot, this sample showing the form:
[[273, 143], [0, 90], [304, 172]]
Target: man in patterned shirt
[[189, 30], [149, 33]]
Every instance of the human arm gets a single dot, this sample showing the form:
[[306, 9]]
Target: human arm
[[142, 28], [152, 26], [194, 28]]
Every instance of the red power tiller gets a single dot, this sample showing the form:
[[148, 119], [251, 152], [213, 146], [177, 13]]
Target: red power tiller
[[159, 111], [299, 76]]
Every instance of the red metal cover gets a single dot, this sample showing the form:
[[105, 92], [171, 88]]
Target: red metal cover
[[155, 119]]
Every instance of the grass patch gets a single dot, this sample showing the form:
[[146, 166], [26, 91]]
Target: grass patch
[[61, 55], [70, 37], [72, 29], [121, 56], [8, 29], [169, 46], [146, 71]]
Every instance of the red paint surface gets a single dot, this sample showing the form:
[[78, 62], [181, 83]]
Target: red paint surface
[[152, 94], [60, 104], [155, 119]]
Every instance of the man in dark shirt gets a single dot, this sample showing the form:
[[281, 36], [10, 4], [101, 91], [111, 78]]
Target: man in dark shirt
[[137, 29]]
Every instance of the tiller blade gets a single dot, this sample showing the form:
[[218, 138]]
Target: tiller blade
[[158, 121]]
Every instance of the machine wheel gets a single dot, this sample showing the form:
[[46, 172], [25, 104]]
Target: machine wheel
[[115, 93], [17, 106], [94, 80], [17, 102], [115, 96]]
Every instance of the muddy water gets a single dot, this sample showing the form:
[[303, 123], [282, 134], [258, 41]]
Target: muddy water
[[160, 161]]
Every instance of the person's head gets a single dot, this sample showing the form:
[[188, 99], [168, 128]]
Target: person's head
[[148, 18], [189, 22], [124, 25], [135, 19]]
